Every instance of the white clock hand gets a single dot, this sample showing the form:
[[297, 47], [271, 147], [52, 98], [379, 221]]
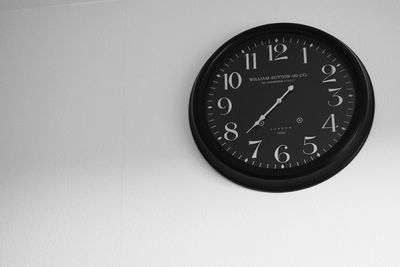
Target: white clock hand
[[278, 101]]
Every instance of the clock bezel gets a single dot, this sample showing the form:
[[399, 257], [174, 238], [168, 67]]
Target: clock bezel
[[295, 178]]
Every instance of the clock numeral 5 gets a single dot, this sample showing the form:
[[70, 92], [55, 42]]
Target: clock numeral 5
[[225, 104], [233, 80], [257, 143], [312, 145], [328, 70], [281, 157], [279, 50], [230, 131], [330, 123]]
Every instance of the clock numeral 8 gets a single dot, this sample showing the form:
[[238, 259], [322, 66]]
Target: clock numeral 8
[[231, 134]]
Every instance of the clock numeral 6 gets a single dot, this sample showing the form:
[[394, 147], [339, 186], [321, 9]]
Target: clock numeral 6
[[257, 143], [312, 145], [225, 104], [279, 49], [328, 70], [281, 157], [230, 131], [233, 80]]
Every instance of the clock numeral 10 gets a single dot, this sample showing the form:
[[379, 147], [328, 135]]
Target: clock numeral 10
[[230, 131], [251, 61], [234, 80], [279, 50]]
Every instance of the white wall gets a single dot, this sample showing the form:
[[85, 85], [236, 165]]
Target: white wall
[[98, 166]]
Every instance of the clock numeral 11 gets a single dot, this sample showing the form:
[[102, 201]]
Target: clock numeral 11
[[251, 61]]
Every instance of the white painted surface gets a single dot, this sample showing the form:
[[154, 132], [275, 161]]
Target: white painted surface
[[98, 166]]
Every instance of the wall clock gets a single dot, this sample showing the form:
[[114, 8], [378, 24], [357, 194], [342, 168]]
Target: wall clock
[[281, 107]]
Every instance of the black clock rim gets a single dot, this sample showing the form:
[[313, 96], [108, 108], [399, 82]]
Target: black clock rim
[[290, 179]]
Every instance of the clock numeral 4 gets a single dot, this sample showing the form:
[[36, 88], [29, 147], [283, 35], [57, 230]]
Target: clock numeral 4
[[328, 70], [276, 53], [312, 146], [257, 143], [281, 157], [230, 131], [224, 104], [233, 80], [251, 61], [330, 123], [339, 99]]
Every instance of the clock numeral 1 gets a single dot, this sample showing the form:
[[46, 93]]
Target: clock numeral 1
[[304, 50], [234, 80], [312, 145], [251, 61], [281, 157], [328, 70], [330, 123], [257, 143], [230, 131], [279, 49]]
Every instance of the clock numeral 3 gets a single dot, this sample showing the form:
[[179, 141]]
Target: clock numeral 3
[[335, 95], [279, 50], [234, 80], [231, 134]]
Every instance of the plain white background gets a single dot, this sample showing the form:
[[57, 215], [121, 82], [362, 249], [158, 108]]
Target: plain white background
[[98, 166]]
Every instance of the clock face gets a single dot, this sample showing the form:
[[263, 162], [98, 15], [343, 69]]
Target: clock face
[[281, 107], [279, 101]]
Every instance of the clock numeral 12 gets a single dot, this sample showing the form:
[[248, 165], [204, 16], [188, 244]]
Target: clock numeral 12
[[279, 49]]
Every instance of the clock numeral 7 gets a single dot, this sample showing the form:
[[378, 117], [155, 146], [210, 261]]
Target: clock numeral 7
[[233, 80], [257, 143]]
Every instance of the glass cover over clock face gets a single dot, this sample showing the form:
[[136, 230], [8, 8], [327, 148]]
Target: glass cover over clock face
[[279, 101]]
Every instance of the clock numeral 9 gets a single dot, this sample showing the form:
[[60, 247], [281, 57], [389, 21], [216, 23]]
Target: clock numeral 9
[[225, 104], [281, 157], [312, 145], [328, 70], [234, 80], [278, 49], [257, 143], [231, 134]]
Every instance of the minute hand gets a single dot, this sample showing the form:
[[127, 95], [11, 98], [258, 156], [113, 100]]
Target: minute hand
[[278, 101]]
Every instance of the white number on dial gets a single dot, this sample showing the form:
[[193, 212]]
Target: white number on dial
[[279, 50], [282, 157], [339, 99], [225, 104], [257, 143], [330, 123], [234, 80], [328, 70], [251, 61], [230, 131], [312, 146]]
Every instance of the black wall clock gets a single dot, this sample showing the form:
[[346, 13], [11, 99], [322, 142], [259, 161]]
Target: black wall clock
[[281, 107]]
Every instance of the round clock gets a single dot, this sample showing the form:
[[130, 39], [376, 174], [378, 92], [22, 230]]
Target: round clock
[[281, 107]]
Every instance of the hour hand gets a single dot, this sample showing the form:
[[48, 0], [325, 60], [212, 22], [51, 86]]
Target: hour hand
[[256, 123]]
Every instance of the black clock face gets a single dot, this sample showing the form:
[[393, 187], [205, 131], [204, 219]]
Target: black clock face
[[279, 101], [281, 107]]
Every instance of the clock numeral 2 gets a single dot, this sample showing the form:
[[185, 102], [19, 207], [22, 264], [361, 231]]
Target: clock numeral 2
[[328, 70]]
